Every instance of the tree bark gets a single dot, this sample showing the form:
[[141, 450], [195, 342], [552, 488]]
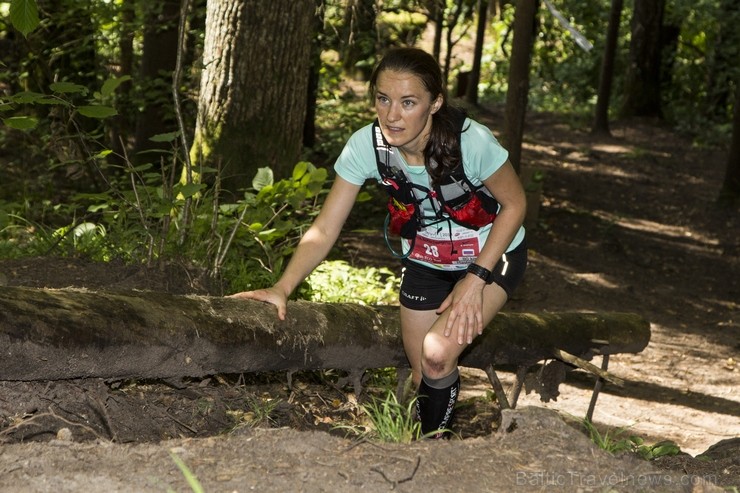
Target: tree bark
[[471, 94], [601, 113], [63, 334], [158, 59], [517, 94], [642, 83], [730, 192], [254, 84]]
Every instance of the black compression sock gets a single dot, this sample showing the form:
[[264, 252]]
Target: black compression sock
[[435, 406]]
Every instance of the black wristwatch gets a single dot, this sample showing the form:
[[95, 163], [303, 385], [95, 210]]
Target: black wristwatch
[[479, 271]]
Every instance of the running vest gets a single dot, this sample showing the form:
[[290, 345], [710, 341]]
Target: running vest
[[454, 199]]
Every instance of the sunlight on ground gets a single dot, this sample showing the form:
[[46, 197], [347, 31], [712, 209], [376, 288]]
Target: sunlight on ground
[[595, 278], [652, 227], [657, 402]]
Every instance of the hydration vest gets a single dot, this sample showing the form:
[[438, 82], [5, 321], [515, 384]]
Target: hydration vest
[[453, 199]]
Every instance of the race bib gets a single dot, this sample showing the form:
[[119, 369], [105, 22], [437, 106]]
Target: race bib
[[447, 248]]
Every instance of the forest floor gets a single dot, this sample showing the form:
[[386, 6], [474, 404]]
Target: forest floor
[[626, 223]]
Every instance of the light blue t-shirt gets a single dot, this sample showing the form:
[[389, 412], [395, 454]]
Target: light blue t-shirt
[[482, 156]]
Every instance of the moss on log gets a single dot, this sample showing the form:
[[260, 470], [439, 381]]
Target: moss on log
[[62, 334]]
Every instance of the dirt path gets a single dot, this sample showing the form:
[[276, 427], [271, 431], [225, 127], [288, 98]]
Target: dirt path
[[626, 224]]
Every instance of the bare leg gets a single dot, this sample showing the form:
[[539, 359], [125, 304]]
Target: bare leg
[[433, 358]]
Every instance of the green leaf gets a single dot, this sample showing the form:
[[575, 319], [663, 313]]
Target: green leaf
[[168, 137], [24, 15], [664, 448], [364, 196], [263, 178], [52, 100], [300, 169], [26, 97], [21, 122], [110, 85], [68, 87], [97, 111], [102, 154], [189, 190], [97, 207]]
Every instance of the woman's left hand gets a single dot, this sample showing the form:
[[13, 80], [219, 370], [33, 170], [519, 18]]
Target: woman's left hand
[[466, 309]]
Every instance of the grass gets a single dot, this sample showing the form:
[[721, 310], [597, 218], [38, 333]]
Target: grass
[[614, 442], [189, 475], [389, 420]]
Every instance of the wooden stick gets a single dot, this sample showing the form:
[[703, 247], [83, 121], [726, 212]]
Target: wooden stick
[[589, 367], [597, 388], [498, 389]]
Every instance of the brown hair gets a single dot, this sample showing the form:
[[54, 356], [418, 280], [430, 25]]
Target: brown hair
[[442, 147]]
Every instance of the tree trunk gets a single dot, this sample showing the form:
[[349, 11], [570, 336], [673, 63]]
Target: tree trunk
[[730, 193], [62, 334], [601, 113], [517, 94], [438, 15], [123, 124], [471, 94], [314, 77], [253, 91], [158, 59], [642, 83]]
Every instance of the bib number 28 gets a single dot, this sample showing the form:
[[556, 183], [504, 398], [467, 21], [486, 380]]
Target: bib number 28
[[431, 250]]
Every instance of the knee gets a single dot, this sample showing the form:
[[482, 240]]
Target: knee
[[436, 361]]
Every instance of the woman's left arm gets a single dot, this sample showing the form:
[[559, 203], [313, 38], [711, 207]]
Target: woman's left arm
[[506, 187], [466, 300]]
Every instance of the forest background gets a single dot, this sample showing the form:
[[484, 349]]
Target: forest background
[[150, 130], [201, 135]]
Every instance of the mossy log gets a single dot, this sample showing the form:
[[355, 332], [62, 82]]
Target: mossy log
[[63, 334]]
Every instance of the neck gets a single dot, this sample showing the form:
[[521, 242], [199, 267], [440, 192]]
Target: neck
[[413, 157]]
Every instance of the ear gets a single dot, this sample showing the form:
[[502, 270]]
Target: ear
[[437, 103]]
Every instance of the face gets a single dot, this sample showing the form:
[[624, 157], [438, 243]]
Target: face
[[404, 108]]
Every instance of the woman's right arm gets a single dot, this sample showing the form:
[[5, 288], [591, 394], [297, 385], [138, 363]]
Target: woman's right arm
[[313, 247]]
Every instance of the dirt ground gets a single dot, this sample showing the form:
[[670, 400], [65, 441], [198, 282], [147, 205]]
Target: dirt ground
[[625, 223]]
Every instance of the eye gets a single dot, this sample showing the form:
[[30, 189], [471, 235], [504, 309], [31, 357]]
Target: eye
[[382, 99], [408, 103]]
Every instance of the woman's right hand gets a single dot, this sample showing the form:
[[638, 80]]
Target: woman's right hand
[[272, 295]]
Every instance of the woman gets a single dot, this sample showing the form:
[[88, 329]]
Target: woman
[[446, 298]]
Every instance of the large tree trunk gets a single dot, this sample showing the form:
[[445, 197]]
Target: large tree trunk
[[730, 192], [517, 94], [642, 83], [471, 93], [62, 334], [601, 113], [253, 91]]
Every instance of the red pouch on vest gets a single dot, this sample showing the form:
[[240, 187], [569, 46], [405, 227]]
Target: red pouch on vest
[[472, 212], [402, 218]]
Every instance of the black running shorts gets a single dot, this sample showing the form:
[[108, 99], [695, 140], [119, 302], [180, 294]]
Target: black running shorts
[[425, 288]]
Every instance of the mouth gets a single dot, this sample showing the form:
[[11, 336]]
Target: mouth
[[393, 129]]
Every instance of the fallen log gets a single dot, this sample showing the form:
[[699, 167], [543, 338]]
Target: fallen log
[[69, 333]]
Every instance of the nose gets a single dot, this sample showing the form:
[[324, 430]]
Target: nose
[[394, 113]]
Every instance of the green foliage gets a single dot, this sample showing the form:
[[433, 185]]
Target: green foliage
[[273, 219], [337, 281], [614, 442], [59, 97], [260, 413], [24, 15], [389, 421]]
